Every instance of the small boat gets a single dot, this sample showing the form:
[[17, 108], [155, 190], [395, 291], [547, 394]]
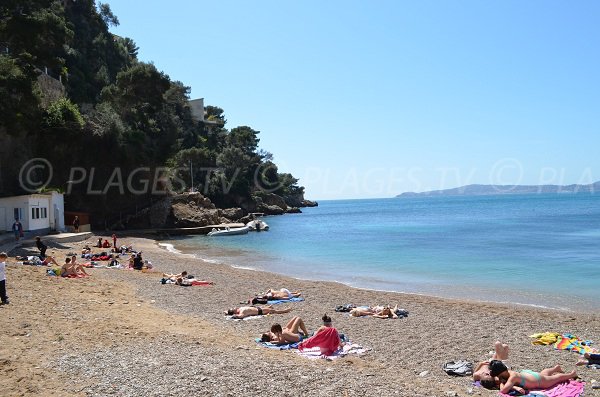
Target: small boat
[[229, 231], [257, 224]]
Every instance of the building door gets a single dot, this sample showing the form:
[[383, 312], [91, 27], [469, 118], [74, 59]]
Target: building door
[[3, 224]]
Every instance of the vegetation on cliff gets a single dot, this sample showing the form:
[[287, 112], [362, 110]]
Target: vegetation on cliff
[[116, 131]]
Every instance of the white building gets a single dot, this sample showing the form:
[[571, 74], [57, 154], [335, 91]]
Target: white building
[[37, 212]]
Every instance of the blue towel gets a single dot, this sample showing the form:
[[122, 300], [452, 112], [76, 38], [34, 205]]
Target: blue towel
[[274, 302], [270, 345]]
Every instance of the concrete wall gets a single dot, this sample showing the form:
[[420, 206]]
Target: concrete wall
[[57, 212], [40, 205], [197, 109]]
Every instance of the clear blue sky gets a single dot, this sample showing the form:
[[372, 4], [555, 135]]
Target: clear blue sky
[[373, 98]]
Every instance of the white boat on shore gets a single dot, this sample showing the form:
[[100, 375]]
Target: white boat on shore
[[229, 231], [257, 224]]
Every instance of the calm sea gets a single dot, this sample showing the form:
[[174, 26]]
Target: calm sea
[[541, 250]]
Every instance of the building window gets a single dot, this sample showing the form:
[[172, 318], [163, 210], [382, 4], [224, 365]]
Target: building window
[[44, 212], [18, 213], [35, 213]]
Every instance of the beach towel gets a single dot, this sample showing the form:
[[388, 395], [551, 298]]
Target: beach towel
[[75, 276], [327, 341], [572, 388], [347, 349], [270, 345], [276, 301], [244, 319], [544, 338], [458, 368], [572, 343]]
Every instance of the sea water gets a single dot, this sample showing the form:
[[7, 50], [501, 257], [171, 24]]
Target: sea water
[[541, 250]]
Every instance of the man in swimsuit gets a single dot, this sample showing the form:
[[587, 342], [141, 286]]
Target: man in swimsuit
[[524, 380], [247, 311]]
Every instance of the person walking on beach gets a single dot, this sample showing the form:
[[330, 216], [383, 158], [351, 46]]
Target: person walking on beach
[[3, 296], [114, 237], [76, 224], [17, 229], [41, 246]]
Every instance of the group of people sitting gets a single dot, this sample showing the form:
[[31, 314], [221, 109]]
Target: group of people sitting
[[183, 279], [494, 374]]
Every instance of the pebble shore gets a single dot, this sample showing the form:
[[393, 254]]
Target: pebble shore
[[122, 333]]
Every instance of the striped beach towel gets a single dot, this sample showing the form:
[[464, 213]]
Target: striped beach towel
[[573, 343]]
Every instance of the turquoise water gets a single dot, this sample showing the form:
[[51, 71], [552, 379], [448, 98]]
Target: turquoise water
[[528, 249]]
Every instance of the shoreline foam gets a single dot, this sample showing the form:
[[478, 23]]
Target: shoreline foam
[[475, 297]]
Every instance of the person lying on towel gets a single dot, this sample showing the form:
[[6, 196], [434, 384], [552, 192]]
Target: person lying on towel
[[284, 293], [248, 311], [375, 311], [506, 380], [288, 334]]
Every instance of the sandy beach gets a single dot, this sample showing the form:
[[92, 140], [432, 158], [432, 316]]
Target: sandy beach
[[122, 333]]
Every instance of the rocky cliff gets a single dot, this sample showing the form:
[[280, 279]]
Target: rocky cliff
[[194, 209]]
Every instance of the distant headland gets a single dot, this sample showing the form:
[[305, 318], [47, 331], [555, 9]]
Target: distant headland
[[487, 190]]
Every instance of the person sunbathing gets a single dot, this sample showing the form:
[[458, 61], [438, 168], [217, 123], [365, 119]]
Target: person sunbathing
[[589, 359], [521, 381], [283, 293], [174, 277], [248, 311], [288, 334], [483, 368], [376, 311], [190, 281], [327, 339]]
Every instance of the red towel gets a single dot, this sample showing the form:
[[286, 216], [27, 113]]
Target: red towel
[[327, 340]]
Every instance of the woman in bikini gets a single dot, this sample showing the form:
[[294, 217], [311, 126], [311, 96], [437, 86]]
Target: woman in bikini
[[283, 293], [288, 334], [521, 381]]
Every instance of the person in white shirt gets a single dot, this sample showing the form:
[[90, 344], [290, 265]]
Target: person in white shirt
[[3, 296]]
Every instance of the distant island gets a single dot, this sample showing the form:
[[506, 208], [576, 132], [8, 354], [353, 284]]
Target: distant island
[[487, 190]]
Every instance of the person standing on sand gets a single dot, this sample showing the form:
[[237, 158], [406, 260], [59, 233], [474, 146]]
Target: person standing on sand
[[114, 237], [17, 229], [41, 246], [3, 296], [76, 224]]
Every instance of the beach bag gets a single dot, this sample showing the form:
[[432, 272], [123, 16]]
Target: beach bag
[[458, 368]]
